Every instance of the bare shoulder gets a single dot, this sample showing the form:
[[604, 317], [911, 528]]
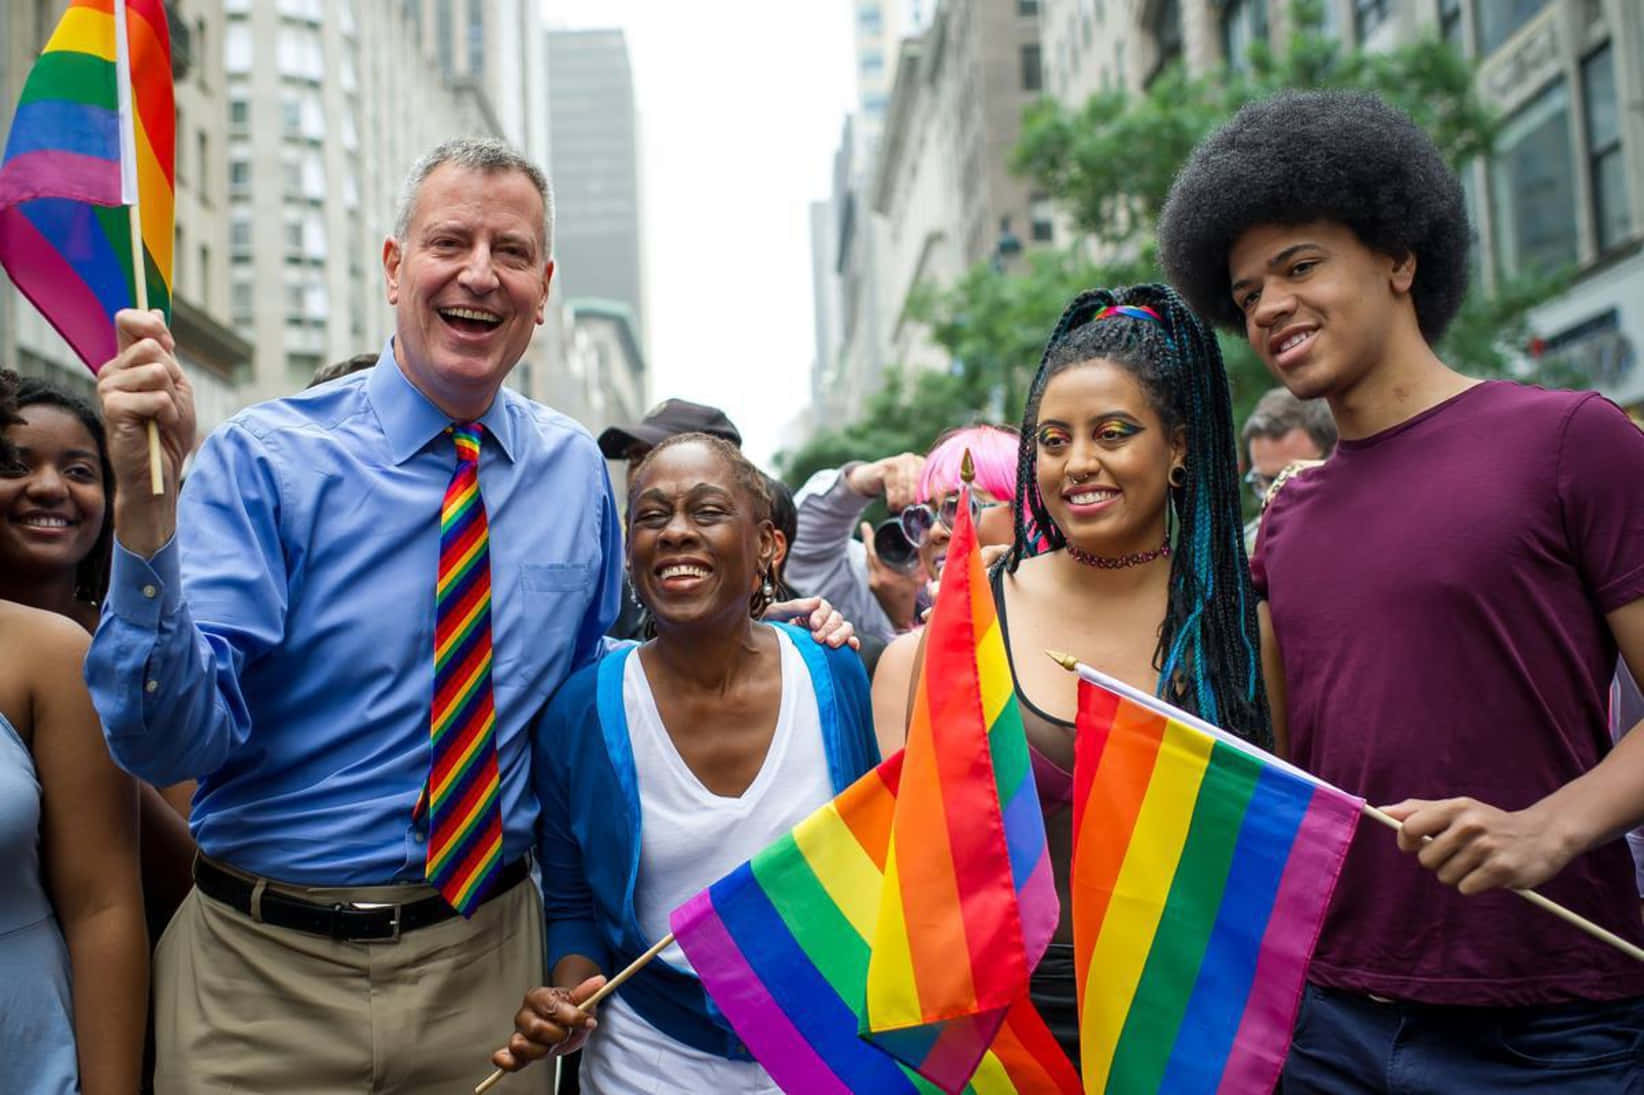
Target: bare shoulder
[[32, 636], [899, 655]]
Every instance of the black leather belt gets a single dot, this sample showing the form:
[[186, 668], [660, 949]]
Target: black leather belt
[[352, 922]]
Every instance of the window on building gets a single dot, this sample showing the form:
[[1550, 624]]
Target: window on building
[[1165, 25], [1498, 19], [204, 270], [291, 177], [873, 63], [1027, 7], [1368, 15], [1532, 187], [294, 296], [199, 48], [476, 39], [294, 238], [243, 301], [239, 236], [237, 51], [1449, 13], [178, 250], [178, 166], [291, 115], [1043, 215], [1244, 23], [300, 368], [202, 162], [1033, 78], [870, 19], [239, 113], [444, 32], [1611, 218], [239, 176]]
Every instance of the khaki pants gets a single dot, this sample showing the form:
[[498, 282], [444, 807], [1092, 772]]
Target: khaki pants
[[244, 1007]]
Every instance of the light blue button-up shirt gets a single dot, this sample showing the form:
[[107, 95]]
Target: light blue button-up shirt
[[280, 649]]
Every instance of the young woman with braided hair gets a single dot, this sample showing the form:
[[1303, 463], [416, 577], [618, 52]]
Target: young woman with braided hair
[[1127, 551]]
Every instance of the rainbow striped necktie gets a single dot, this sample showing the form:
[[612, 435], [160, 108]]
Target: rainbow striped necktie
[[465, 816]]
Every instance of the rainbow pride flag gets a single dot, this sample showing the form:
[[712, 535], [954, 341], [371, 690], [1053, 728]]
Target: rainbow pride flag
[[888, 940], [969, 902], [782, 945], [1202, 868], [94, 133]]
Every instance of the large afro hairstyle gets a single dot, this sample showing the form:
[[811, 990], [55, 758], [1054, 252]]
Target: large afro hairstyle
[[1305, 156]]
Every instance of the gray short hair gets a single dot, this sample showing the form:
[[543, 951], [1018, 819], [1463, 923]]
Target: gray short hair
[[477, 154], [1278, 412]]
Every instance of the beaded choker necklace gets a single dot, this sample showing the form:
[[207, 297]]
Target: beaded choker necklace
[[1121, 562]]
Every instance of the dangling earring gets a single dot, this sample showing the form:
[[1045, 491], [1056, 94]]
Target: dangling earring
[[762, 597]]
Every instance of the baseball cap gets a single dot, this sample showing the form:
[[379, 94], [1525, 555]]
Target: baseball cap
[[670, 417]]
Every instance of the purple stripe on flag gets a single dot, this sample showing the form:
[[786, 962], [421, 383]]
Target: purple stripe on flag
[[1309, 878], [1040, 909], [741, 995], [43, 276], [57, 173]]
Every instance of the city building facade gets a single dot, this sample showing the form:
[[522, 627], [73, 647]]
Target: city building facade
[[1564, 188], [942, 192], [594, 141]]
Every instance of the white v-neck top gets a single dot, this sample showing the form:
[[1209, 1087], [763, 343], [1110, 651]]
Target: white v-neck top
[[690, 838]]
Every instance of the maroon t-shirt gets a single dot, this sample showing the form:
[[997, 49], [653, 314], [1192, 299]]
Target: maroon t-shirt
[[1438, 591]]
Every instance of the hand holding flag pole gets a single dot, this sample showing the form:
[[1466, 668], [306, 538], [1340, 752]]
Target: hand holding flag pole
[[1073, 665], [588, 1005]]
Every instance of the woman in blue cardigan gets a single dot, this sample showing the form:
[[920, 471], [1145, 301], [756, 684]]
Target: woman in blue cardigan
[[664, 766]]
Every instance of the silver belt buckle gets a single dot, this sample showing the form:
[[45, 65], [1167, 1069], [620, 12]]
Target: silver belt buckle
[[371, 906]]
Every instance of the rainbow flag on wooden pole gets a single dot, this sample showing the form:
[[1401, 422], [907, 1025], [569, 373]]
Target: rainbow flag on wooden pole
[[1202, 868], [889, 939], [87, 184]]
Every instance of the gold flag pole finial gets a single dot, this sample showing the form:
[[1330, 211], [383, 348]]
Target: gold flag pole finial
[[1066, 661], [967, 470]]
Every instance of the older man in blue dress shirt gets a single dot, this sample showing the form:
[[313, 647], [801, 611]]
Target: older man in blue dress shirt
[[271, 634]]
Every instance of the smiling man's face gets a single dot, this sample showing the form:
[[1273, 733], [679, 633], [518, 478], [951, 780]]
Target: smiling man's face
[[468, 283]]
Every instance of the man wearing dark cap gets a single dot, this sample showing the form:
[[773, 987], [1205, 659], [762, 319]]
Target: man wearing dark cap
[[665, 420]]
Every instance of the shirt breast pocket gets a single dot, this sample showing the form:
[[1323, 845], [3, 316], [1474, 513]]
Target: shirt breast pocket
[[544, 610], [538, 579]]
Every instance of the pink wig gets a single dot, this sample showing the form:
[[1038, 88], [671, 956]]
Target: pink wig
[[994, 451]]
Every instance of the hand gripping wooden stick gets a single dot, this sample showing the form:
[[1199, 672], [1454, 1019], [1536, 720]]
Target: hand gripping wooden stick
[[1575, 919], [589, 1004]]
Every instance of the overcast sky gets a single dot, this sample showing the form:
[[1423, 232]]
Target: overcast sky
[[740, 108]]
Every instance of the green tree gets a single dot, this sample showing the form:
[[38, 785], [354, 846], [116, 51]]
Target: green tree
[[1110, 163]]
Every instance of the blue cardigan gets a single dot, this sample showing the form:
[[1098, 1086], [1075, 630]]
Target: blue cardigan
[[589, 828]]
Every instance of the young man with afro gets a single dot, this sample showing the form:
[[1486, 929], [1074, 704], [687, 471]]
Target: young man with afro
[[1444, 599]]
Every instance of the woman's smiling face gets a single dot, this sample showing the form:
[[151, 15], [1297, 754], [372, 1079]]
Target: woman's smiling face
[[698, 548], [51, 500], [1103, 458]]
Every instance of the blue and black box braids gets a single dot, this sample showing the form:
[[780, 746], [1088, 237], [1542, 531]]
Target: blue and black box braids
[[1208, 656]]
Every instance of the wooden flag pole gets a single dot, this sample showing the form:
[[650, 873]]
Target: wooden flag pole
[[1575, 919], [156, 481], [131, 188], [589, 1004]]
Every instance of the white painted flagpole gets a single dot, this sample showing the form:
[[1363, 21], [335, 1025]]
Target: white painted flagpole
[[130, 198]]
